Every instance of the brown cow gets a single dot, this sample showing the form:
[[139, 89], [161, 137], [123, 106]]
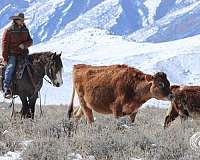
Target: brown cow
[[117, 89], [186, 104]]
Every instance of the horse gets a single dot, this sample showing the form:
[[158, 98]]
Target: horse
[[31, 81]]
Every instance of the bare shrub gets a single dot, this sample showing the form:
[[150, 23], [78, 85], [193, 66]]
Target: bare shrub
[[55, 138]]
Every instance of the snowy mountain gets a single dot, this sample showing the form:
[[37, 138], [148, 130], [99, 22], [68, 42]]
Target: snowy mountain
[[181, 21], [49, 17], [104, 32], [144, 20]]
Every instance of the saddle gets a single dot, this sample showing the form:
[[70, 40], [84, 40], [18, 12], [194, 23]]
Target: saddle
[[21, 64]]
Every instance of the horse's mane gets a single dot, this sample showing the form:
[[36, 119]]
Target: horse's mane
[[41, 56]]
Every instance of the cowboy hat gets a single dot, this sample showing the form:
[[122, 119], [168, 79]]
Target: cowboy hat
[[19, 16]]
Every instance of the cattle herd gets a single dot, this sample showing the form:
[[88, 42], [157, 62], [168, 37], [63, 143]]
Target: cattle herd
[[121, 90]]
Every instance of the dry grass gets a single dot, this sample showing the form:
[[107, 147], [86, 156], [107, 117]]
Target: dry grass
[[106, 139]]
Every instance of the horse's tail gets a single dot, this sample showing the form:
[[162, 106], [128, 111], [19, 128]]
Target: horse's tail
[[71, 105]]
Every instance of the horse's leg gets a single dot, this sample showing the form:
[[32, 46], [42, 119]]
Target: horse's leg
[[32, 101], [25, 107]]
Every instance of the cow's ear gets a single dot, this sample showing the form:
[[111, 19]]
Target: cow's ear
[[148, 78]]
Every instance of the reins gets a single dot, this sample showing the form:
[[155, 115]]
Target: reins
[[47, 80]]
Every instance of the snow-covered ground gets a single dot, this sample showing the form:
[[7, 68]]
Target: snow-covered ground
[[179, 59], [17, 154]]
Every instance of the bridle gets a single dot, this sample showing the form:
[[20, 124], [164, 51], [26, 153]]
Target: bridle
[[48, 70]]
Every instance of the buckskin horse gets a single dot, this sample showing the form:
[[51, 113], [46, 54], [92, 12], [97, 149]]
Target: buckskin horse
[[30, 83]]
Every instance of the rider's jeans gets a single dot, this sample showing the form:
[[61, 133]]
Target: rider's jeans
[[10, 68]]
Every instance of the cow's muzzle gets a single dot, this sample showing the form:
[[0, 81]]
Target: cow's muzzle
[[171, 97]]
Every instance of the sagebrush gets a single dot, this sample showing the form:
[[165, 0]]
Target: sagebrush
[[55, 138]]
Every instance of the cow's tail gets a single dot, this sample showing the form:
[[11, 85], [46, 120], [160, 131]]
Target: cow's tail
[[71, 105]]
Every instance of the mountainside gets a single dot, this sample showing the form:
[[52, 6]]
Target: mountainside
[[47, 18], [181, 22], [143, 20]]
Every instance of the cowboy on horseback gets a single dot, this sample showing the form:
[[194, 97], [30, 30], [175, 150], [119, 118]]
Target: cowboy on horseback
[[15, 42]]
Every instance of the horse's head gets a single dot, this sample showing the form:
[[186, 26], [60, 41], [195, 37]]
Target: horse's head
[[54, 69]]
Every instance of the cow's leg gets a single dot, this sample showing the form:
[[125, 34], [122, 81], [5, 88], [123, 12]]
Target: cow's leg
[[76, 110], [87, 111], [116, 108], [183, 118], [88, 114], [172, 114], [132, 117], [78, 113]]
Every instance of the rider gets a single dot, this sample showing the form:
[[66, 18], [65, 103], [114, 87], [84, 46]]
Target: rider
[[16, 40]]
